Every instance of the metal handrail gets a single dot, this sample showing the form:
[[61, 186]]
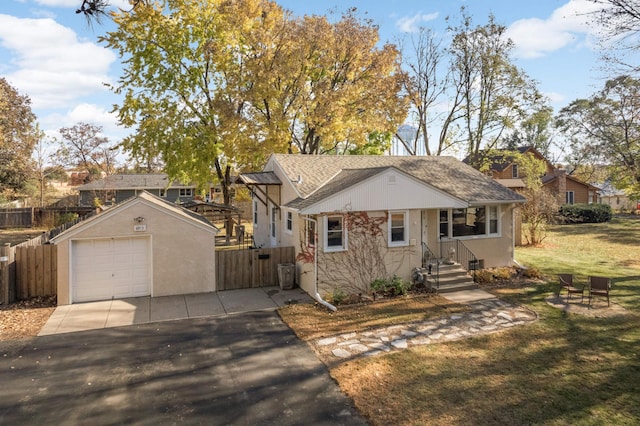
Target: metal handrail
[[432, 263], [462, 255]]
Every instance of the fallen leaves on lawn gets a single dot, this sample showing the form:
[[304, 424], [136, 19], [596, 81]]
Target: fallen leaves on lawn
[[25, 318]]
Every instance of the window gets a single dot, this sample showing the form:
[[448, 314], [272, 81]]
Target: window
[[514, 171], [186, 192], [162, 193], [335, 238], [398, 229], [569, 197], [444, 223], [274, 215], [493, 219], [289, 222], [255, 212], [470, 222]]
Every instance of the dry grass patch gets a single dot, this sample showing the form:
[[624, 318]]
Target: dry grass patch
[[315, 321]]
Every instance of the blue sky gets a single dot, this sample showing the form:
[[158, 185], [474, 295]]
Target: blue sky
[[50, 54]]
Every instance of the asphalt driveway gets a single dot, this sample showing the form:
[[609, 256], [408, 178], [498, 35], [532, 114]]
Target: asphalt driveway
[[245, 369]]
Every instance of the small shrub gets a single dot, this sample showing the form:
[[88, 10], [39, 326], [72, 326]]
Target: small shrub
[[495, 275], [484, 276], [393, 286], [531, 273], [338, 296], [65, 218]]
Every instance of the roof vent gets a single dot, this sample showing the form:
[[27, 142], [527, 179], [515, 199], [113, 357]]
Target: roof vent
[[391, 179]]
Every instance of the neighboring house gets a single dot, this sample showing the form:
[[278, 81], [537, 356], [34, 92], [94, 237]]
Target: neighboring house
[[140, 247], [569, 189], [116, 188], [617, 199], [353, 219]]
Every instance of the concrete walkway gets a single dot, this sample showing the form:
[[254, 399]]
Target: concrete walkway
[[141, 310], [488, 314]]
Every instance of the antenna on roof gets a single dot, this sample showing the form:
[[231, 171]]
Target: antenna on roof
[[299, 181]]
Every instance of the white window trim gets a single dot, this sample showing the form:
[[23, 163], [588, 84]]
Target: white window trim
[[487, 233], [287, 222], [572, 196], [404, 242], [273, 222], [255, 212], [345, 235]]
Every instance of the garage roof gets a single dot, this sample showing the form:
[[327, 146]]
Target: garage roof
[[145, 198]]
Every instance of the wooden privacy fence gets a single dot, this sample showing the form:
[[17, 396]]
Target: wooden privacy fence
[[253, 268], [16, 218], [27, 271]]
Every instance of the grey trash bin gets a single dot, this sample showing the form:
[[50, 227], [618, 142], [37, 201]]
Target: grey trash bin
[[285, 275]]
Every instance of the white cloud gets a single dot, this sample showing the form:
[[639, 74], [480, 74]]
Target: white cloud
[[85, 113], [567, 25], [411, 24], [50, 64], [555, 97]]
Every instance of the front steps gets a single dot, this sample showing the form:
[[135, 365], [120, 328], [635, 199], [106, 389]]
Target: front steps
[[451, 278]]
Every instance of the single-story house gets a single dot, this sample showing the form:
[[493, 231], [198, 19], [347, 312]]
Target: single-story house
[[617, 199], [114, 189], [353, 219], [144, 246], [569, 189]]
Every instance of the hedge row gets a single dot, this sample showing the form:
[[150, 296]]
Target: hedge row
[[586, 213]]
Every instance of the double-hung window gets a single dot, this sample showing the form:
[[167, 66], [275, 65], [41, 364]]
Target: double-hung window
[[335, 233], [289, 223], [569, 197], [398, 229]]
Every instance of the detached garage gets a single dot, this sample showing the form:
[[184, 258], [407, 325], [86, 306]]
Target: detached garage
[[144, 246]]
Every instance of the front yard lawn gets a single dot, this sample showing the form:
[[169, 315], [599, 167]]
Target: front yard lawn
[[565, 368]]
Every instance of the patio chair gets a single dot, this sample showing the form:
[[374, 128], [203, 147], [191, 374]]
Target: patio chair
[[599, 286], [566, 283]]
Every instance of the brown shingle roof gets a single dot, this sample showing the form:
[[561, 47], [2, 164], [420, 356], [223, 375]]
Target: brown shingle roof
[[133, 181], [333, 173]]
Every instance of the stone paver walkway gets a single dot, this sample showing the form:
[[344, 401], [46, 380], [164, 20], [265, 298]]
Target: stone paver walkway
[[486, 316]]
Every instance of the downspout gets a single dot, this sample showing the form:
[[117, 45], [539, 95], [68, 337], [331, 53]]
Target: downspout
[[317, 296]]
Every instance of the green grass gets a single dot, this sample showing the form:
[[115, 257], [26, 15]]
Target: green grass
[[565, 368], [606, 249]]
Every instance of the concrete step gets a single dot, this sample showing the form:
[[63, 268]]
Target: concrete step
[[452, 278], [450, 288]]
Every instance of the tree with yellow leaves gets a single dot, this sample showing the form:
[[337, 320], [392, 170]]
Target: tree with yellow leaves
[[221, 84]]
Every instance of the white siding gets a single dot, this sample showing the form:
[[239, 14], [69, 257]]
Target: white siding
[[389, 190]]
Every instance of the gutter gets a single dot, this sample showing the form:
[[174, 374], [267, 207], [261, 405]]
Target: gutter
[[317, 296]]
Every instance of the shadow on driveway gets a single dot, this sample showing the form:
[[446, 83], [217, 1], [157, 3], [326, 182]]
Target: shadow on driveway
[[246, 369]]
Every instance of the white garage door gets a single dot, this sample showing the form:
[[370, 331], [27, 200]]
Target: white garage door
[[110, 268]]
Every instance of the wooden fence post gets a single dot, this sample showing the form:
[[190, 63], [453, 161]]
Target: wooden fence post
[[4, 273]]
